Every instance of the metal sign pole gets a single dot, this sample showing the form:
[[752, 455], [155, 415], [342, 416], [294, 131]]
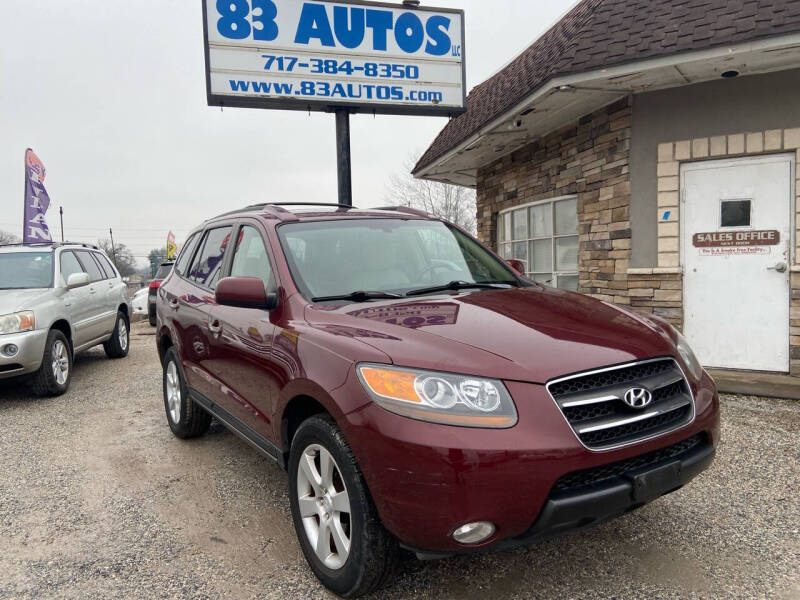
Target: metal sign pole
[[343, 158], [113, 249]]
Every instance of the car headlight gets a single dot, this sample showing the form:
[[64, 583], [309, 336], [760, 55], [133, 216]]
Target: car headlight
[[17, 322], [688, 356], [443, 398]]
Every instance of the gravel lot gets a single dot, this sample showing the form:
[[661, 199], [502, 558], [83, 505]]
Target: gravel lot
[[99, 500]]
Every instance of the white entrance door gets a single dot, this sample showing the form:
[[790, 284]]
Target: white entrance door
[[736, 277]]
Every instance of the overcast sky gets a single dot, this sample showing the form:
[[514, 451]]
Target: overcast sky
[[111, 96]]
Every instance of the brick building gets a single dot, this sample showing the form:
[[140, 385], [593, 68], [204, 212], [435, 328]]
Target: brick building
[[645, 153]]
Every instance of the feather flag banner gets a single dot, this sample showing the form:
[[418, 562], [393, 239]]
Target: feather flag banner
[[37, 201]]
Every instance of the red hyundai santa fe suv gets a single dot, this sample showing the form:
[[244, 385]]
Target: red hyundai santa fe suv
[[419, 391]]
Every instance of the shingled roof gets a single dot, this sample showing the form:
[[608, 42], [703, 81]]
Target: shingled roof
[[597, 34]]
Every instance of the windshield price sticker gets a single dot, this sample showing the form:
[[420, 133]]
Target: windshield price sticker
[[295, 54]]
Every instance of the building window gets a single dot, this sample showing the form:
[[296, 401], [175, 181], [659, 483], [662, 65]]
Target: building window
[[544, 236], [736, 213]]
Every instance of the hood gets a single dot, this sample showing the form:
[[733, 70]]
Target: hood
[[12, 301], [527, 334]]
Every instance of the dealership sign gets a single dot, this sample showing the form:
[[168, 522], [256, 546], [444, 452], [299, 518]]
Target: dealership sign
[[314, 55]]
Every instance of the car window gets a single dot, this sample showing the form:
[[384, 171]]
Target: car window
[[99, 264], [106, 264], [69, 265], [251, 258], [26, 270], [89, 266], [207, 265], [163, 271], [186, 254], [332, 258]]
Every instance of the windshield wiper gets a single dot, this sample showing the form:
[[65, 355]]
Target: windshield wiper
[[359, 297], [455, 286]]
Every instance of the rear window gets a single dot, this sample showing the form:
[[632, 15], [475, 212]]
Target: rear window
[[163, 271], [186, 254], [207, 265], [90, 266], [100, 264], [106, 264]]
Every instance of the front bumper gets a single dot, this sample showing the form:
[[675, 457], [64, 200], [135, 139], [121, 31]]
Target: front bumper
[[427, 480], [615, 496], [611, 497], [29, 357]]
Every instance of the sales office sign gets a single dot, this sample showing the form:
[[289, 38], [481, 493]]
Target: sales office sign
[[730, 243], [314, 55]]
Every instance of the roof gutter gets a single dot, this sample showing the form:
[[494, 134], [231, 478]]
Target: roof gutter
[[552, 85]]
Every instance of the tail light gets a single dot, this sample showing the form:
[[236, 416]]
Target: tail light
[[155, 284]]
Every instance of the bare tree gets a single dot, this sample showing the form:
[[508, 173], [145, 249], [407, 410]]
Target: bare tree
[[156, 257], [8, 238], [120, 255], [450, 202]]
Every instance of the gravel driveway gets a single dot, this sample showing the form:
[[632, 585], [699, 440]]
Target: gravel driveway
[[99, 500]]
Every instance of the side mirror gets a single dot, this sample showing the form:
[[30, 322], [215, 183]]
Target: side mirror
[[517, 265], [245, 292], [77, 280]]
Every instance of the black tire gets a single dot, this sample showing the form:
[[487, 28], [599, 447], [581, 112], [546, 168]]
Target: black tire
[[44, 381], [192, 421], [373, 551], [151, 315], [153, 321], [117, 347]]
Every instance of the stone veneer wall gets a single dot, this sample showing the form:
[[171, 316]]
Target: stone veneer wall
[[590, 160]]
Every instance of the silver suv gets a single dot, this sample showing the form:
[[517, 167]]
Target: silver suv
[[57, 300]]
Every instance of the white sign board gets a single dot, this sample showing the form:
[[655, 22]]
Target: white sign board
[[318, 54]]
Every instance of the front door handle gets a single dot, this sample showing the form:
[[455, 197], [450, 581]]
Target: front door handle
[[780, 268], [215, 328]]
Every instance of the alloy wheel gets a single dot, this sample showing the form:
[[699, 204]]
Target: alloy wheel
[[173, 392], [123, 335], [324, 506], [60, 362]]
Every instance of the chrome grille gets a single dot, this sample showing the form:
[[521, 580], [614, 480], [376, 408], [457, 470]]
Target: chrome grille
[[593, 402]]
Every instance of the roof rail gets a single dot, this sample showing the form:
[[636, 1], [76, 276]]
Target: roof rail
[[251, 208], [50, 244], [280, 213], [407, 210], [82, 244], [276, 209], [345, 206]]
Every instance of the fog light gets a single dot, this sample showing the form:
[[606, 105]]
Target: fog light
[[474, 533], [10, 350]]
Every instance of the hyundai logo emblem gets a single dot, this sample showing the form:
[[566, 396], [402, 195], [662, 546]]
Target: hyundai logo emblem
[[638, 398]]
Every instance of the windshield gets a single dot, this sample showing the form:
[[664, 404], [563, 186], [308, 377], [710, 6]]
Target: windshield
[[26, 270], [337, 258]]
